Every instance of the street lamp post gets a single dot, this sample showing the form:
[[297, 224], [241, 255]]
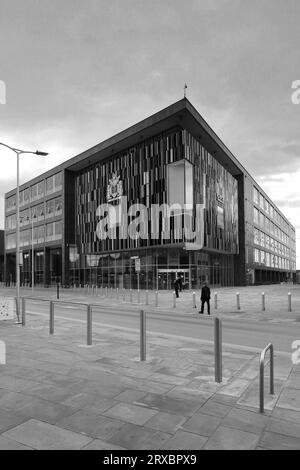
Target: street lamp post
[[18, 152]]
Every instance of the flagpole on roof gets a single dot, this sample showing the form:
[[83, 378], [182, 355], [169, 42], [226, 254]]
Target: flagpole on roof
[[184, 90]]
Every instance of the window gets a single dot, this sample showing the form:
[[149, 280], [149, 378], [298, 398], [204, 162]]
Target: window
[[266, 206], [58, 206], [10, 241], [261, 219], [40, 212], [58, 181], [256, 212], [256, 236], [50, 185], [256, 256], [34, 192], [50, 232], [11, 222], [41, 234], [255, 195], [11, 203], [50, 209], [58, 230], [27, 196], [41, 189], [261, 201]]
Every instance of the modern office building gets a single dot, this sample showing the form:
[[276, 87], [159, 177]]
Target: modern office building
[[109, 217], [1, 255]]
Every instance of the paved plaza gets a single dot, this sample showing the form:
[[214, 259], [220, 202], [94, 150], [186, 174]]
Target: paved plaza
[[58, 393], [250, 300]]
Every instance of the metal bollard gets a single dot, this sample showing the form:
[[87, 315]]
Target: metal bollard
[[139, 297], [23, 312], [194, 300], [96, 291], [51, 318], [142, 335], [130, 296], [238, 305], [263, 302], [218, 350], [117, 293], [262, 373], [216, 300], [289, 302], [124, 294], [106, 291], [156, 299], [147, 298], [57, 290], [89, 321], [174, 300]]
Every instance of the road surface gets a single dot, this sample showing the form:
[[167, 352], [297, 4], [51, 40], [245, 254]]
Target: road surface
[[238, 333]]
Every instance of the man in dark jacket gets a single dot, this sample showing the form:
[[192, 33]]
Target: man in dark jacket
[[176, 286], [205, 297]]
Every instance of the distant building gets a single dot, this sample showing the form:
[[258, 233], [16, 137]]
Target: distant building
[[1, 255], [171, 157]]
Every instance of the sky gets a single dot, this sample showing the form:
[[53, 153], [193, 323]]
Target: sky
[[76, 73]]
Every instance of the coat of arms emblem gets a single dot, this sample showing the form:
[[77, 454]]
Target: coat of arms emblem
[[114, 188]]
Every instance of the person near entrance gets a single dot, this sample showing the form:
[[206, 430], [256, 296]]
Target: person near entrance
[[177, 286], [205, 298]]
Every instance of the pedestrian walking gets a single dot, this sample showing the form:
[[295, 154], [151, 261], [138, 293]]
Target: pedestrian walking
[[177, 286], [205, 298]]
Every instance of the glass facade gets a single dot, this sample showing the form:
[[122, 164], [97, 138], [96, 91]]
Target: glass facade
[[168, 169], [273, 243], [41, 222]]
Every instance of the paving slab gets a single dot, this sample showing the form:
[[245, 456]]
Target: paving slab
[[245, 420], [185, 441], [231, 439], [130, 413], [93, 425], [44, 436], [283, 427], [9, 444], [169, 404], [274, 441], [202, 424], [290, 399], [166, 422], [215, 408], [135, 437], [9, 420]]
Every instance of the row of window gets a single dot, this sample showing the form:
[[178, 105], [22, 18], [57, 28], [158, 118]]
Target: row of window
[[41, 234], [272, 261], [269, 226], [37, 191], [260, 238], [52, 208], [262, 202]]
